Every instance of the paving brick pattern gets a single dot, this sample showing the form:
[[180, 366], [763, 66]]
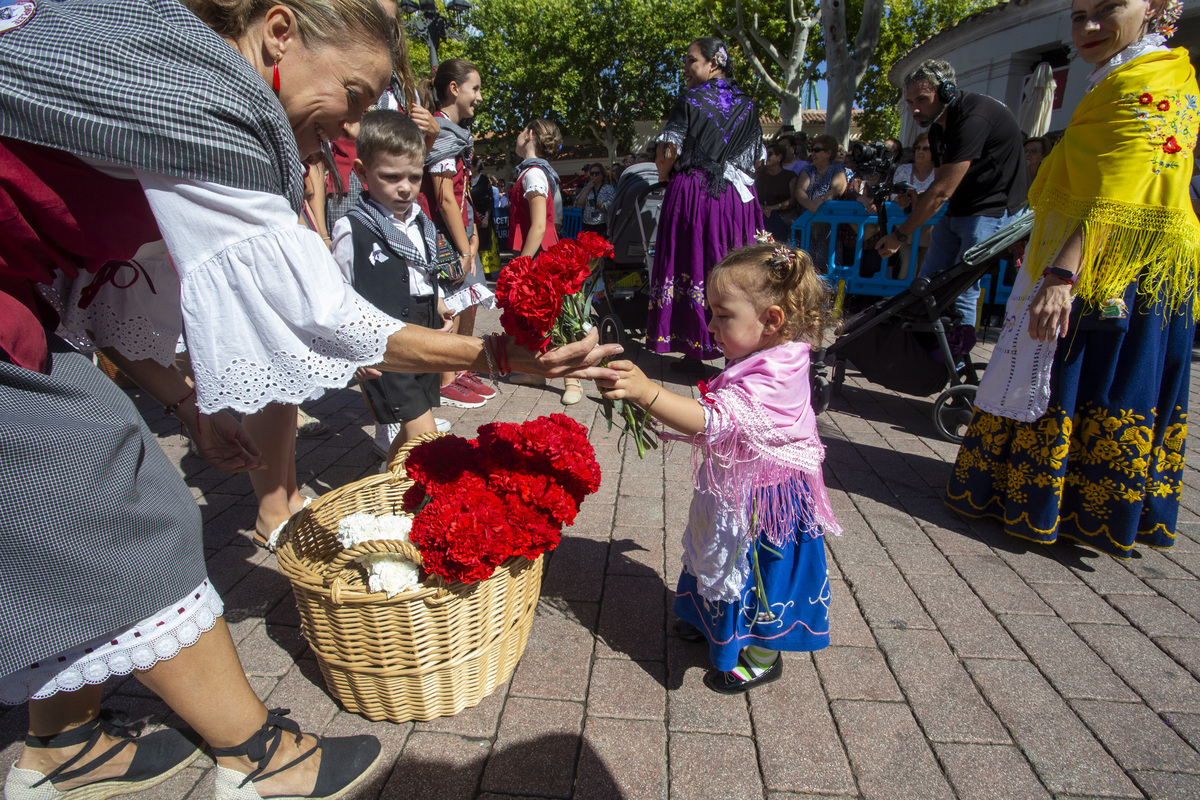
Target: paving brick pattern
[[964, 664]]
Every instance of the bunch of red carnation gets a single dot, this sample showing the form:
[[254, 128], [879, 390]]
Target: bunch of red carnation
[[544, 300], [508, 493]]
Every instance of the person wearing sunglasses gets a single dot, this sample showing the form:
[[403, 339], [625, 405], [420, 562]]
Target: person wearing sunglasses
[[918, 174], [595, 199], [822, 180]]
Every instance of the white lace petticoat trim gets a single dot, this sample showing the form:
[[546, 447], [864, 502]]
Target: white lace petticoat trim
[[139, 646], [476, 294], [137, 313]]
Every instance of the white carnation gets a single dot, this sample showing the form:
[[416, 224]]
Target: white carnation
[[390, 572], [363, 527], [386, 572]]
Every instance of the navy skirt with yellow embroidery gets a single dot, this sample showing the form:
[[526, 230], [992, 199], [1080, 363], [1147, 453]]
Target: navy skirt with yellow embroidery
[[1104, 465]]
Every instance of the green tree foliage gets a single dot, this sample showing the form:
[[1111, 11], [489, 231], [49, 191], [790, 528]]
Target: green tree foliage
[[780, 47], [906, 23], [593, 66]]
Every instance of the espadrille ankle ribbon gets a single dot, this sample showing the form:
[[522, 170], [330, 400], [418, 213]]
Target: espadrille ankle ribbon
[[114, 723], [260, 747]]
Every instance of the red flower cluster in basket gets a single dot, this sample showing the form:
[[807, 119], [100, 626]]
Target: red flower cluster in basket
[[507, 493], [532, 292]]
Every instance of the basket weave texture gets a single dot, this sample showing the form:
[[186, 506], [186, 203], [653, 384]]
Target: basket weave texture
[[427, 652]]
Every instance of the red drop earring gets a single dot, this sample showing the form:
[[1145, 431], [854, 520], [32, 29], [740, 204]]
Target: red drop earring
[[275, 74]]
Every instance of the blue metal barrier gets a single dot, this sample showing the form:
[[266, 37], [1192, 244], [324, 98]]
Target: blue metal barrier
[[847, 275], [836, 216], [572, 223]]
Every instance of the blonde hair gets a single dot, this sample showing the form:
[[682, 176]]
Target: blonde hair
[[400, 64], [779, 275], [321, 22]]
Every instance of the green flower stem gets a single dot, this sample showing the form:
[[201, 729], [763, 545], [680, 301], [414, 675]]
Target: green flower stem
[[759, 590], [571, 326]]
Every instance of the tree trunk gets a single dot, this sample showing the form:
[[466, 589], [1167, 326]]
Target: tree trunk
[[795, 73], [840, 106], [790, 112], [845, 66]]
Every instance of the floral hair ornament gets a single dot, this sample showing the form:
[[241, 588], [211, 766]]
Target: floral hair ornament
[[764, 237], [721, 58], [780, 259], [1165, 24]]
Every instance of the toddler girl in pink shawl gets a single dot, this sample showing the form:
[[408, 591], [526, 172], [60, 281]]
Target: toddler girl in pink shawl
[[754, 579]]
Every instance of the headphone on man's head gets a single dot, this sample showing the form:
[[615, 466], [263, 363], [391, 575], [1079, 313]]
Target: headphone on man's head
[[947, 89]]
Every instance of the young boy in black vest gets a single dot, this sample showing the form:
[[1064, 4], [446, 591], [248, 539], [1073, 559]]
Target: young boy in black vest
[[386, 246]]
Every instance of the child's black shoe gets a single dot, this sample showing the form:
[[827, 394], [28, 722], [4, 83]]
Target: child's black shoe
[[731, 683]]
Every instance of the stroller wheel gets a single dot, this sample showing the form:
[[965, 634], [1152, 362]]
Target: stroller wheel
[[822, 393], [611, 331], [839, 375], [952, 412]]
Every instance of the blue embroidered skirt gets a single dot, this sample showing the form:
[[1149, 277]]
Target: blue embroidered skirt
[[796, 585], [1104, 465]]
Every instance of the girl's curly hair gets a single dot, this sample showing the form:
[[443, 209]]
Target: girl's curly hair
[[779, 275]]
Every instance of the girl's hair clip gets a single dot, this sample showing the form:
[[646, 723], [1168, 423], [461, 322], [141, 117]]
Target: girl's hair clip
[[764, 237], [780, 259], [721, 58]]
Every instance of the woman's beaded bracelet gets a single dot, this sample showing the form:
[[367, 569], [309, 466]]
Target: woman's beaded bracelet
[[501, 350], [171, 409], [487, 354]]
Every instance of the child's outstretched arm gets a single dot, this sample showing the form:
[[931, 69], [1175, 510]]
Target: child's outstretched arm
[[676, 411]]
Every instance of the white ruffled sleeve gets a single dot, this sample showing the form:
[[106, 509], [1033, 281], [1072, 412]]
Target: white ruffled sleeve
[[268, 315]]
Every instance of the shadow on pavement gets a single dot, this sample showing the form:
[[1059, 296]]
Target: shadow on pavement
[[441, 767]]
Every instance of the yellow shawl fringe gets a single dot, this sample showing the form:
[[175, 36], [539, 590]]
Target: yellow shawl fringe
[[1112, 175]]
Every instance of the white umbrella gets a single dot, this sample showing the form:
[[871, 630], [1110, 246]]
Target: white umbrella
[[1034, 116], [908, 125]]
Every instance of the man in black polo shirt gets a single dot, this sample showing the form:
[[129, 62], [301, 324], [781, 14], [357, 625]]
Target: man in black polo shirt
[[979, 167]]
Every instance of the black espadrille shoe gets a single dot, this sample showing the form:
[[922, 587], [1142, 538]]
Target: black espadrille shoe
[[345, 761], [159, 755]]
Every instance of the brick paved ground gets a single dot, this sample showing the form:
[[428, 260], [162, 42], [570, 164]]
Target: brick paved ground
[[963, 663]]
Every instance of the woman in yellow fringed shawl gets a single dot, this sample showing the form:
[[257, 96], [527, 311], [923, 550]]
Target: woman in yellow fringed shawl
[[1081, 416]]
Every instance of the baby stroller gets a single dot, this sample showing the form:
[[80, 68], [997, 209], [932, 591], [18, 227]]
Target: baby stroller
[[907, 343], [632, 226]]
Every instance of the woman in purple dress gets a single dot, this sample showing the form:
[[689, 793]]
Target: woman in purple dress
[[707, 151]]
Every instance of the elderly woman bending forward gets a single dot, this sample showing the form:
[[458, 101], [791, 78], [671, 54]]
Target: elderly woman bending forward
[[102, 567]]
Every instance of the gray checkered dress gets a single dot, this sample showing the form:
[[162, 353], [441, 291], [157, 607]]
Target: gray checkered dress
[[145, 84], [99, 531]]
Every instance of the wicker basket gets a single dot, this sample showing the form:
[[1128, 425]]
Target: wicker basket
[[425, 653], [110, 369]]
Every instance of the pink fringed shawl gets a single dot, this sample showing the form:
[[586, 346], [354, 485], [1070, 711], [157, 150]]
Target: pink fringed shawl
[[761, 442]]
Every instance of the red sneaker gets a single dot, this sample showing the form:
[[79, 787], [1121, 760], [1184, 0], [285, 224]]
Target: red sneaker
[[455, 394], [472, 382]]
